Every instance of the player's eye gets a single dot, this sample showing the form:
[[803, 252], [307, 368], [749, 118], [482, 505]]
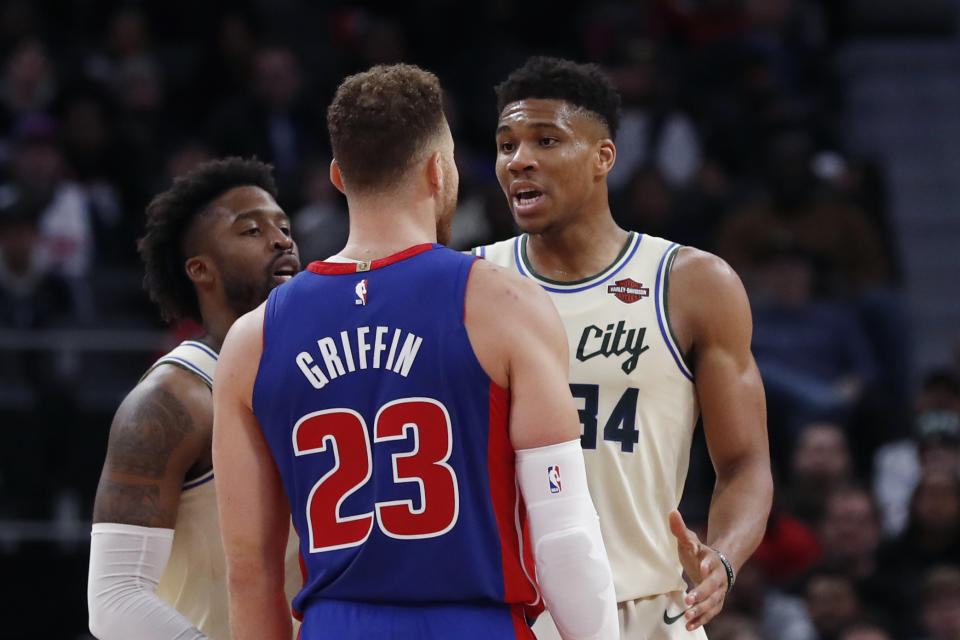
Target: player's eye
[[547, 141], [252, 231], [506, 147], [285, 230]]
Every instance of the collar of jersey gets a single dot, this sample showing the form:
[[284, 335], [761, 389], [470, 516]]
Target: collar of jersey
[[557, 286], [339, 268]]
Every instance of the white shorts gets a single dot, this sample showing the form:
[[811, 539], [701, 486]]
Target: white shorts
[[641, 619]]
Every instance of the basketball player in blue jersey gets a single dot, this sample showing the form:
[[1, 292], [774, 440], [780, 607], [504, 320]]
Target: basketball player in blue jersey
[[408, 404], [216, 243], [658, 334]]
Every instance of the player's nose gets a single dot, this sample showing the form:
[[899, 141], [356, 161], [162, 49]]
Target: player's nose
[[522, 160], [281, 241]]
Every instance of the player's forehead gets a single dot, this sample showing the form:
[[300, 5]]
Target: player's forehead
[[540, 113], [242, 201]]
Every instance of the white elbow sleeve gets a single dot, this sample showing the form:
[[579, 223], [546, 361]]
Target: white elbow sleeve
[[572, 566], [126, 564]]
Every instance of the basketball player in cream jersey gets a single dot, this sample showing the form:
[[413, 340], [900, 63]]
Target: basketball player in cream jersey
[[658, 334], [216, 244]]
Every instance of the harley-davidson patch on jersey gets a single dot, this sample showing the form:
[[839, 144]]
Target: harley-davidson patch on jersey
[[628, 290]]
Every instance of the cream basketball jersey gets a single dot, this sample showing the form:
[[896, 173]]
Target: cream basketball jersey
[[195, 579], [636, 399]]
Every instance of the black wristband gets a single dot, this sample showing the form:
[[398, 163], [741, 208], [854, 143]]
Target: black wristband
[[731, 578]]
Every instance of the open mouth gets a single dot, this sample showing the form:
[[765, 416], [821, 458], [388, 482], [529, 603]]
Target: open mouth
[[284, 274], [526, 199]]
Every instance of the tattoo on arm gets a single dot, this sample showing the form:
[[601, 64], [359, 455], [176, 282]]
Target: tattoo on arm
[[148, 434], [137, 504], [143, 438]]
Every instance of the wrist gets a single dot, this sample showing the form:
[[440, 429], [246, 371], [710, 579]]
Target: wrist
[[731, 576]]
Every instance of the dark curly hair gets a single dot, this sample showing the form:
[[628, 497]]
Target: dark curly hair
[[582, 85], [170, 215], [380, 119]]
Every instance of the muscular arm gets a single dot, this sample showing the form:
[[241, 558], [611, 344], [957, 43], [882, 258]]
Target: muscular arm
[[254, 511], [712, 315], [520, 342], [519, 339], [160, 431]]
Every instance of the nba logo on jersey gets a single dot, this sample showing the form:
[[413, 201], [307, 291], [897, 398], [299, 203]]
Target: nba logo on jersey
[[361, 290], [553, 475]]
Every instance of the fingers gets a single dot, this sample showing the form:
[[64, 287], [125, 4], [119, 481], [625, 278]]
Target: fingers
[[688, 546], [706, 599], [677, 526]]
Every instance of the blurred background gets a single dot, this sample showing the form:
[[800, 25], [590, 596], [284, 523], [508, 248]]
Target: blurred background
[[813, 144]]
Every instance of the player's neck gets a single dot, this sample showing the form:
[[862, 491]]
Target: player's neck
[[380, 229], [217, 320], [577, 250]]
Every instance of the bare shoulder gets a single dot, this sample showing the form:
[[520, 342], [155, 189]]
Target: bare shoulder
[[706, 297], [506, 294], [166, 408], [697, 271], [506, 315], [160, 432]]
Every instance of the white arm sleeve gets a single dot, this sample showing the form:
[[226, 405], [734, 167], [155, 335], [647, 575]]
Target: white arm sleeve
[[572, 566], [126, 563]]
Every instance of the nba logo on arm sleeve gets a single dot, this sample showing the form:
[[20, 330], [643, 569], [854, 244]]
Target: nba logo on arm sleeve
[[553, 476]]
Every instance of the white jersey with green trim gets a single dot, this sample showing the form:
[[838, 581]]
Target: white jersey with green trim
[[194, 581], [636, 399]]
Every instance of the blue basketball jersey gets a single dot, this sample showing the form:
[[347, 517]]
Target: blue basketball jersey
[[392, 446]]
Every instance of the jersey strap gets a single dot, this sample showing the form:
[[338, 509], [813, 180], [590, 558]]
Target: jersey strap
[[192, 356], [662, 290]]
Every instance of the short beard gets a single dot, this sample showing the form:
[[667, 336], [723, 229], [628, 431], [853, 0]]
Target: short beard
[[243, 295], [444, 229]]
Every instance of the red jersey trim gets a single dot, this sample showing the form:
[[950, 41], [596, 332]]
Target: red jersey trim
[[504, 494], [340, 268]]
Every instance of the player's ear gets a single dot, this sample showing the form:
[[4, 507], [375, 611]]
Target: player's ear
[[200, 269], [335, 176], [435, 170], [606, 156]]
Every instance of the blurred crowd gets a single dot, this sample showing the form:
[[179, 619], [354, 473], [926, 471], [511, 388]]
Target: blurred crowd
[[731, 141]]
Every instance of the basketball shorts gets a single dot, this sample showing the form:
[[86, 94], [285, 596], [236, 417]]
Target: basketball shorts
[[653, 618], [345, 620]]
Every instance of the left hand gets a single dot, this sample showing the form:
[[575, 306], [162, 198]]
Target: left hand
[[702, 564]]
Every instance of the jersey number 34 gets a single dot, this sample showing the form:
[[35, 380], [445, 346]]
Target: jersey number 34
[[345, 431]]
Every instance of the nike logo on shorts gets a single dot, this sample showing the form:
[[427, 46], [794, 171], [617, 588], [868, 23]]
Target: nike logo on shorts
[[667, 619]]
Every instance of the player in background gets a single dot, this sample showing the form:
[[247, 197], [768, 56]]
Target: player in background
[[216, 243], [658, 334], [395, 397]]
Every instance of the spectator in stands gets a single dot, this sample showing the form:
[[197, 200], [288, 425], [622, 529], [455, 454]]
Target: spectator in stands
[[776, 613], [820, 464], [935, 445], [733, 626], [797, 213], [28, 83], [653, 133], [275, 123], [931, 538], [789, 548], [41, 173], [865, 631], [832, 603], [32, 296], [813, 354], [849, 534], [941, 603]]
